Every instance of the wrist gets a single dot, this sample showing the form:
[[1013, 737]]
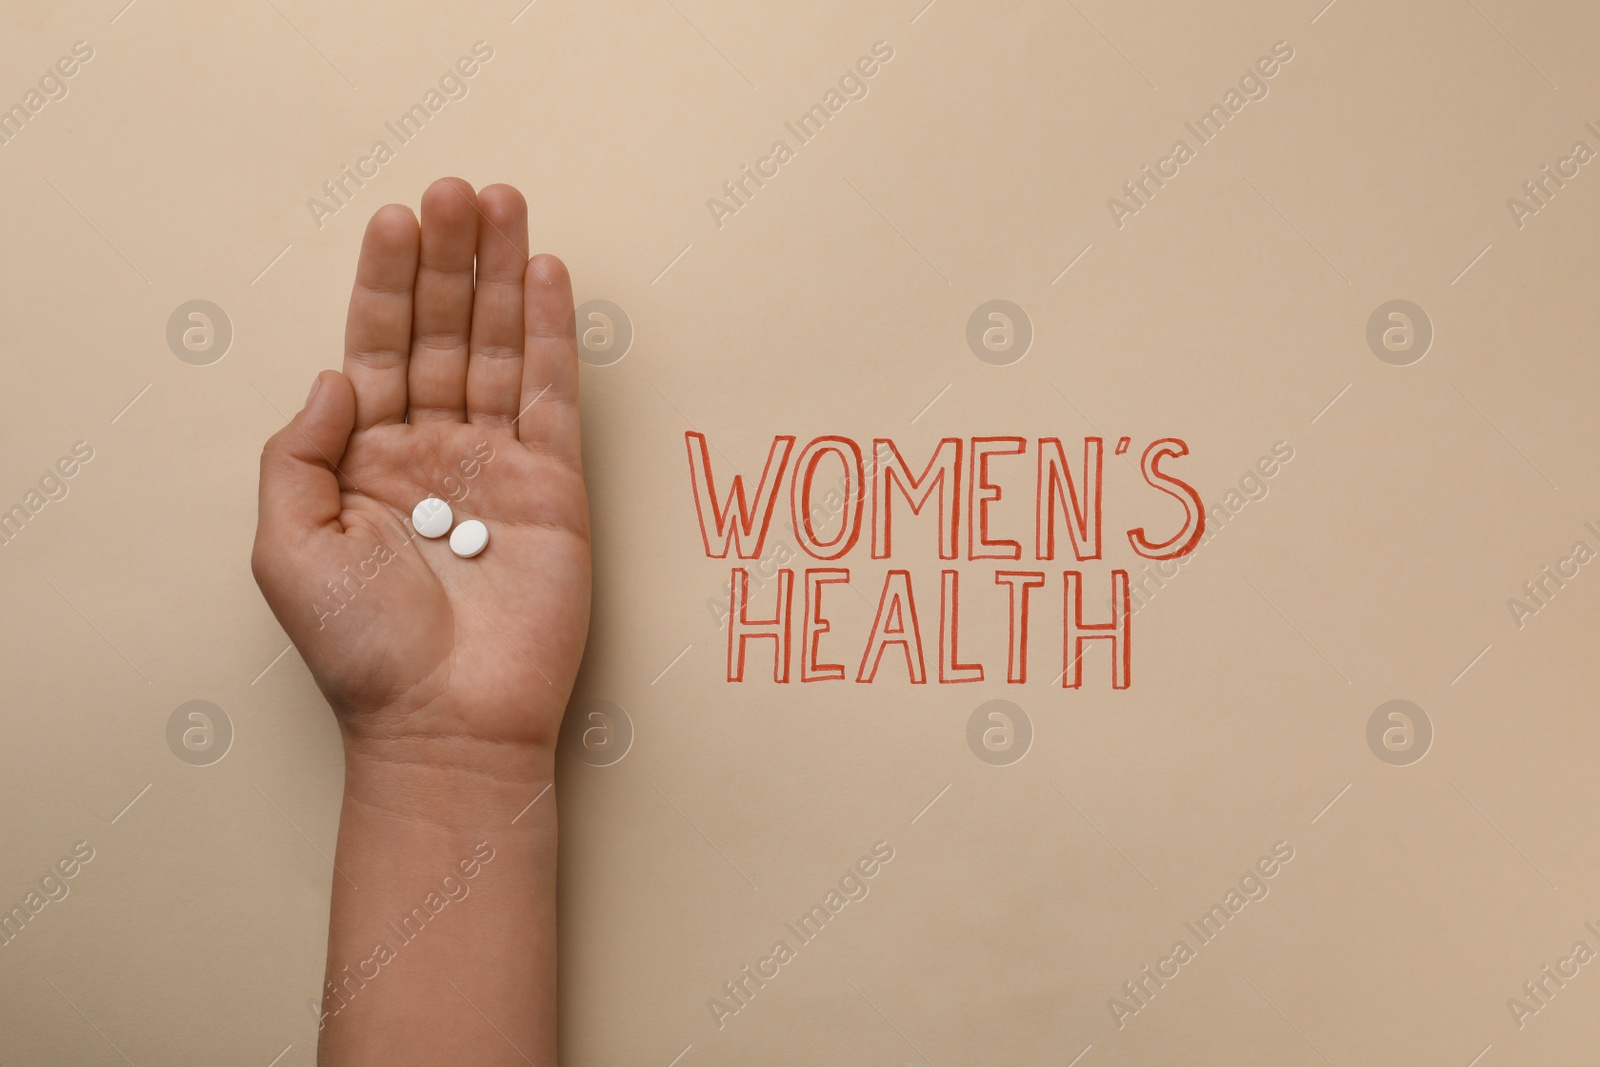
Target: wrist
[[452, 783]]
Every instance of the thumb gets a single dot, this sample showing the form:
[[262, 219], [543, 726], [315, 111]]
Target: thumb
[[299, 478]]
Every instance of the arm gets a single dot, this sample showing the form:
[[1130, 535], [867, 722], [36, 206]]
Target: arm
[[448, 675], [442, 944]]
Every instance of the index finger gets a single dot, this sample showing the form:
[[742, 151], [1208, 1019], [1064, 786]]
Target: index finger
[[377, 336]]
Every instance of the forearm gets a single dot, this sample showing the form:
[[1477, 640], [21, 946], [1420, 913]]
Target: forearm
[[442, 929]]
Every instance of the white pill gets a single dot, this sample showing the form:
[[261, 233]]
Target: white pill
[[468, 539], [432, 517]]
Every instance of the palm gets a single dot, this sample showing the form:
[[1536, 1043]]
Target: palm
[[405, 638], [504, 623]]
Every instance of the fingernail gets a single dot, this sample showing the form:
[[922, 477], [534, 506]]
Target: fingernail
[[314, 387]]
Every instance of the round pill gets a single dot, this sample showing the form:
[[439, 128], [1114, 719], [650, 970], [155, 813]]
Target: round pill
[[432, 517], [468, 539]]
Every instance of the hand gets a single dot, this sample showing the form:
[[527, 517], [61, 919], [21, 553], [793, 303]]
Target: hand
[[462, 390]]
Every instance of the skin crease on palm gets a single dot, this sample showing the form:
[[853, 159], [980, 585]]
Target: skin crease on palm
[[456, 344]]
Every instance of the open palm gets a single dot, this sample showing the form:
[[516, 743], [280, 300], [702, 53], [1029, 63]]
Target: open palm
[[460, 381]]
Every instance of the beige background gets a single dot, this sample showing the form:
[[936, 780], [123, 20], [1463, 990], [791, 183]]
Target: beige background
[[1230, 313]]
